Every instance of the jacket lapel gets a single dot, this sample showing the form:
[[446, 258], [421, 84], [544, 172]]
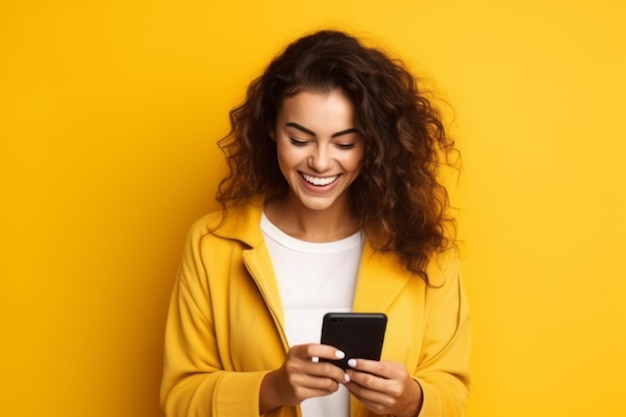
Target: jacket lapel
[[243, 224], [259, 265], [380, 279]]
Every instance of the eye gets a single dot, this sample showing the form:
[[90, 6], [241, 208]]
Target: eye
[[346, 146], [296, 142]]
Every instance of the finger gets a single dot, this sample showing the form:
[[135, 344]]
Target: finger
[[329, 370], [376, 401], [314, 352], [304, 360], [367, 382], [385, 376], [318, 385], [325, 370], [382, 369], [388, 400]]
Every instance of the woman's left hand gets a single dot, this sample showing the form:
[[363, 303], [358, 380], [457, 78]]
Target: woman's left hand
[[384, 387]]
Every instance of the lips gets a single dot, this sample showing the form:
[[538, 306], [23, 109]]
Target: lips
[[319, 181]]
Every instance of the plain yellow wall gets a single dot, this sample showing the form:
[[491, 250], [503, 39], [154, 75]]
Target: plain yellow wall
[[109, 114]]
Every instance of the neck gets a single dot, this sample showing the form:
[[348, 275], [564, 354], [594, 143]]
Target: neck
[[297, 220]]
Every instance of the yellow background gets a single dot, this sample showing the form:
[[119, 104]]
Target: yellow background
[[109, 113]]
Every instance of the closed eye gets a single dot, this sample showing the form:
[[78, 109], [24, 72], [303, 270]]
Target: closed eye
[[346, 146], [297, 142]]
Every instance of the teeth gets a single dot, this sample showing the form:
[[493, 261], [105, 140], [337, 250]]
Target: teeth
[[319, 181]]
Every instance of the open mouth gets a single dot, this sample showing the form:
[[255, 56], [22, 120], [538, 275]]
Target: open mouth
[[319, 181]]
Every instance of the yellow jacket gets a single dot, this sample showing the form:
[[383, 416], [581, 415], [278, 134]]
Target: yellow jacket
[[225, 327]]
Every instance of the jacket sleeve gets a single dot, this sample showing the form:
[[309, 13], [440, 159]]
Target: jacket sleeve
[[195, 382], [443, 370]]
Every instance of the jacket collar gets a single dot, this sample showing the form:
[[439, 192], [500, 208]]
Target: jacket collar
[[242, 222], [381, 275]]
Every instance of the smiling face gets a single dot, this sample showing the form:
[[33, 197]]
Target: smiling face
[[319, 149]]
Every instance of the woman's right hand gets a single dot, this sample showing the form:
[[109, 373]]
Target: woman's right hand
[[302, 376]]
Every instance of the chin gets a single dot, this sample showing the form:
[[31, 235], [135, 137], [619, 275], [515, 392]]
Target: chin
[[311, 204], [317, 207]]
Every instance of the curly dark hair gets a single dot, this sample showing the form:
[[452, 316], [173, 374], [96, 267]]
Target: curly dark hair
[[401, 204]]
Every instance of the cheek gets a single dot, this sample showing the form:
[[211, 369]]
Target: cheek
[[353, 162], [287, 159]]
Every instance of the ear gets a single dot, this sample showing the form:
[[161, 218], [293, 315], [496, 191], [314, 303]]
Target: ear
[[272, 134]]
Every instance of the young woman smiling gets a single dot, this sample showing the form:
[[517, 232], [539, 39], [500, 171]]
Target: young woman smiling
[[332, 204]]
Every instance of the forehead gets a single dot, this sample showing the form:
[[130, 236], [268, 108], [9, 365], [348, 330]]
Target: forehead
[[318, 109]]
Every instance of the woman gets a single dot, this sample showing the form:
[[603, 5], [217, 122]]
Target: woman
[[332, 204]]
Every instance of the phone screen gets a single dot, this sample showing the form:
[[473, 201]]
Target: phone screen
[[358, 335]]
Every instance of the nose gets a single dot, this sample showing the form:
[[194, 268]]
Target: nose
[[320, 160]]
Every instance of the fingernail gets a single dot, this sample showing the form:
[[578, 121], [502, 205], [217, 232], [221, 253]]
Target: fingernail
[[315, 359], [346, 377], [352, 363], [340, 355]]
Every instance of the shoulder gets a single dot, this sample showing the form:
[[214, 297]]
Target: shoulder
[[443, 267], [239, 223]]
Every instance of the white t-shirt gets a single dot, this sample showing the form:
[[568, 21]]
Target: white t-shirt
[[314, 279]]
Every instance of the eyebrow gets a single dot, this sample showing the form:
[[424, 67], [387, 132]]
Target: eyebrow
[[310, 132]]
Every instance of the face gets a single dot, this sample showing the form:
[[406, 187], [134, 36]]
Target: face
[[319, 149]]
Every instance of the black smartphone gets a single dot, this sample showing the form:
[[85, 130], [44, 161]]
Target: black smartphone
[[358, 335]]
